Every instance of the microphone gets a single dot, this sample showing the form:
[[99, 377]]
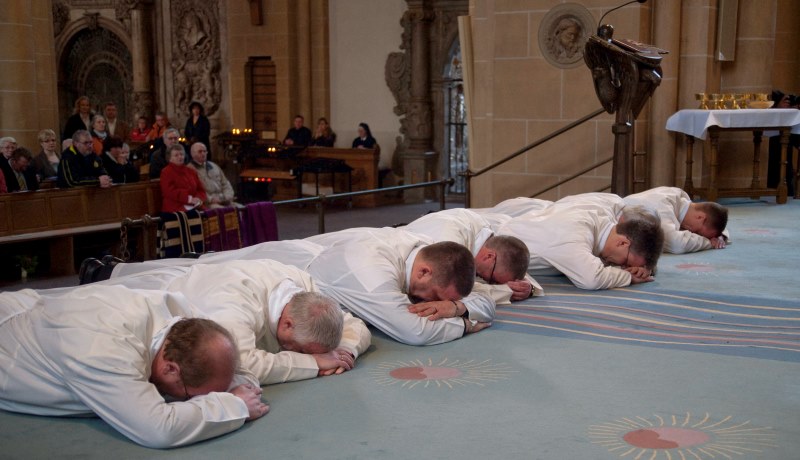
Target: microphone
[[607, 31]]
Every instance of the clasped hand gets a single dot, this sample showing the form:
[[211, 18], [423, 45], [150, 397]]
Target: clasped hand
[[251, 395], [334, 362]]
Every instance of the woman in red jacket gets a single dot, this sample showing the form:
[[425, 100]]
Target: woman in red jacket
[[181, 189]]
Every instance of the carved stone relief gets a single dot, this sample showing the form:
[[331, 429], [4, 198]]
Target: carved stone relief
[[563, 33], [60, 17], [196, 55]]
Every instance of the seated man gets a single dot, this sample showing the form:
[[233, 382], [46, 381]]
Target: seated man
[[115, 161], [159, 158], [591, 248], [401, 284], [688, 226], [285, 329], [80, 166], [219, 192], [500, 260], [82, 351], [24, 176]]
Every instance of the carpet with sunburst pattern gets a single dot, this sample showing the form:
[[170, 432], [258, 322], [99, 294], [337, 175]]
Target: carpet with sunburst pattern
[[703, 363]]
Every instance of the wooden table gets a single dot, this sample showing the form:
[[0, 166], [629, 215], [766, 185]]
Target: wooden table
[[704, 124]]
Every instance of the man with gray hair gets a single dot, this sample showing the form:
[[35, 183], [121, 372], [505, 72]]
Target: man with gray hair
[[159, 158], [285, 329], [80, 166]]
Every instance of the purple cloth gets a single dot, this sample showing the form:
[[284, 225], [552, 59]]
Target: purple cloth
[[259, 223], [221, 229]]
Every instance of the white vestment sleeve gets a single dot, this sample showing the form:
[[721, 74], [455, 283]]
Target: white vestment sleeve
[[387, 310], [356, 337], [584, 269], [683, 241], [133, 406]]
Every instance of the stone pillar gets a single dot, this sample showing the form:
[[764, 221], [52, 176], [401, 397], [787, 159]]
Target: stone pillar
[[302, 32], [141, 38], [320, 62], [667, 35], [418, 161], [28, 98]]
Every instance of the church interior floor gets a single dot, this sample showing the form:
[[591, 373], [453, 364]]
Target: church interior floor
[[703, 363]]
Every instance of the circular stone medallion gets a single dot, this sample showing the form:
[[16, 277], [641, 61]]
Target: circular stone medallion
[[563, 33]]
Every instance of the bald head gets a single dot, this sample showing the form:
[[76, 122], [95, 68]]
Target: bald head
[[199, 152]]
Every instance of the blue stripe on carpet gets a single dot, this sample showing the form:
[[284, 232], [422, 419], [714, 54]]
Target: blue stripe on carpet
[[731, 325]]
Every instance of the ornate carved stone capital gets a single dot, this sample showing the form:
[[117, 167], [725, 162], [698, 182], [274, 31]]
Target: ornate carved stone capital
[[143, 104], [60, 16]]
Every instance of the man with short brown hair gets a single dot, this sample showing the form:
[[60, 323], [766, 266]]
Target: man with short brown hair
[[145, 366]]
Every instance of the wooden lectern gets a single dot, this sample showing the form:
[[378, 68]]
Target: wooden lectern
[[625, 74]]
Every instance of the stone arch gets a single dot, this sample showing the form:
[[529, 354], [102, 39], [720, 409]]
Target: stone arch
[[94, 59]]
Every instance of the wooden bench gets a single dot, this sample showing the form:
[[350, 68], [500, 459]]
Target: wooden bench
[[58, 215]]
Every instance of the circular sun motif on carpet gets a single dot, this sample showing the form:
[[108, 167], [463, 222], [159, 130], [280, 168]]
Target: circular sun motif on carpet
[[441, 374], [681, 437]]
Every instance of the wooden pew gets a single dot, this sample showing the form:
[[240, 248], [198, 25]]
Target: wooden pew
[[58, 215]]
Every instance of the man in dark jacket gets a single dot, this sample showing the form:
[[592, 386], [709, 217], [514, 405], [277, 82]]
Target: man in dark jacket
[[24, 176], [80, 166]]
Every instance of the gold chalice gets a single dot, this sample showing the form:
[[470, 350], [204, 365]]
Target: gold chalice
[[739, 101], [703, 98], [727, 101], [717, 102]]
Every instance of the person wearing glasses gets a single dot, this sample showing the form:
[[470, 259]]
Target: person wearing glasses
[[590, 246], [148, 366], [500, 261], [80, 166], [159, 158], [286, 329]]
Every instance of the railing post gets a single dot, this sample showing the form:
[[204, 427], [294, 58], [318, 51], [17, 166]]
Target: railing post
[[442, 189], [467, 178], [321, 214]]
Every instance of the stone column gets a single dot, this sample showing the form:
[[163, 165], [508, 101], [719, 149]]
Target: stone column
[[320, 62], [418, 162], [303, 81], [667, 35], [28, 99], [141, 38]]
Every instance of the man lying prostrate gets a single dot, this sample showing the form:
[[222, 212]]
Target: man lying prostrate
[[401, 284], [688, 226], [590, 247], [297, 253], [501, 261], [285, 329], [119, 353]]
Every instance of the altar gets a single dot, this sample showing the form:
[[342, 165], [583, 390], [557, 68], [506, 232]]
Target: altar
[[708, 124]]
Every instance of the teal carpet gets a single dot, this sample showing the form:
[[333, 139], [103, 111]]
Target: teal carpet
[[700, 364]]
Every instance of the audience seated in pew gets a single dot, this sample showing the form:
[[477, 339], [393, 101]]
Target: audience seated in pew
[[115, 161], [46, 162], [324, 135], [99, 133], [219, 191], [7, 147], [115, 126], [140, 133], [148, 366], [364, 139], [81, 118], [159, 157], [24, 175], [181, 189], [298, 135], [80, 166]]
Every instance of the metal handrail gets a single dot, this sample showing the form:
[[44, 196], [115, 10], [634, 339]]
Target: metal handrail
[[321, 199], [468, 174], [579, 173]]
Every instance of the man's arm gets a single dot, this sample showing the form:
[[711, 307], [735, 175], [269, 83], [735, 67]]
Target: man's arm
[[356, 337], [387, 310], [584, 269], [683, 241]]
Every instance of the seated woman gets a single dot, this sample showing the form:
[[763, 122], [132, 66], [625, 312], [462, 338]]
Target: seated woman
[[181, 189], [324, 135], [198, 128], [141, 131], [161, 125], [99, 133], [116, 162], [364, 139], [46, 162]]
